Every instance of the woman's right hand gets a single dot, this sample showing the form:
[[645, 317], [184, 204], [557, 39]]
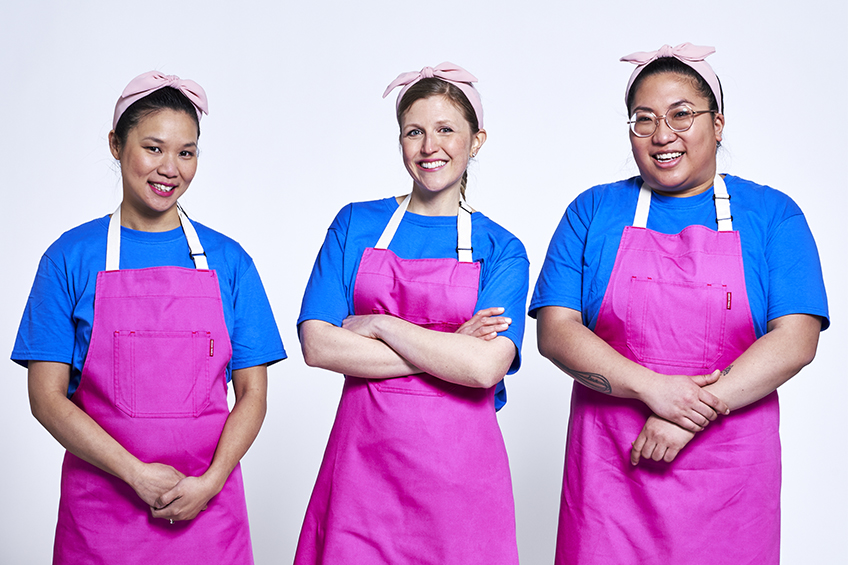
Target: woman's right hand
[[682, 400], [485, 324], [153, 480]]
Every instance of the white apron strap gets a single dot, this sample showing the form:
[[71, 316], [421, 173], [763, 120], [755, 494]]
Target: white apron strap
[[113, 241], [463, 233], [392, 226], [722, 205], [463, 229], [720, 197], [643, 205]]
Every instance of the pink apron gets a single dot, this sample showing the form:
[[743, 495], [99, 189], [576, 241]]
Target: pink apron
[[676, 304], [154, 379], [415, 470]]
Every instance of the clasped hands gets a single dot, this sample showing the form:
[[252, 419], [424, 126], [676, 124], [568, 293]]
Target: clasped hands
[[681, 408], [170, 494]]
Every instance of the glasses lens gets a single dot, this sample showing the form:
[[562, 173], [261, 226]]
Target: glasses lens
[[680, 118], [643, 123]]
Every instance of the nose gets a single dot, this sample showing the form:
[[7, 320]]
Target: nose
[[429, 145], [167, 166], [663, 134]]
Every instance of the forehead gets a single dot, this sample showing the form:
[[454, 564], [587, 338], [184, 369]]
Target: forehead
[[435, 108], [661, 90], [164, 122]]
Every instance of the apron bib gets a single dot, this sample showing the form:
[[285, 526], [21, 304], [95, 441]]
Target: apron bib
[[676, 304], [155, 380], [415, 470]]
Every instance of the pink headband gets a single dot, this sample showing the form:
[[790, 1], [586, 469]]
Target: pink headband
[[448, 72], [688, 54], [151, 81]]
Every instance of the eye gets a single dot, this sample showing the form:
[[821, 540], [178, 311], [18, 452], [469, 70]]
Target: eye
[[413, 132], [445, 129], [153, 149], [642, 118], [186, 153], [681, 113]]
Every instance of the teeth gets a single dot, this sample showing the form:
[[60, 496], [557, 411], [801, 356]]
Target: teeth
[[161, 187], [667, 156], [433, 164]]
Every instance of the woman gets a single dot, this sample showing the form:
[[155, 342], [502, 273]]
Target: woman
[[128, 366], [415, 470], [680, 300]]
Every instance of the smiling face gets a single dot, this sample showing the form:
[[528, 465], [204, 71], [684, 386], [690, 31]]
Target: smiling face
[[676, 163], [437, 143], [158, 162]]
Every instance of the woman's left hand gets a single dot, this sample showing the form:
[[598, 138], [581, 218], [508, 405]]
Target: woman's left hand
[[185, 501], [485, 324], [659, 440], [361, 325]]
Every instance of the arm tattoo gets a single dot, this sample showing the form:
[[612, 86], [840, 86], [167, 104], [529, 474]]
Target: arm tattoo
[[727, 370], [591, 380]]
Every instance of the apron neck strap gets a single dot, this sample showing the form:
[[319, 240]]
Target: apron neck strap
[[720, 197], [463, 229], [113, 241]]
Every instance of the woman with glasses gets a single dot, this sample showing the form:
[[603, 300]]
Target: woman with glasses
[[679, 300]]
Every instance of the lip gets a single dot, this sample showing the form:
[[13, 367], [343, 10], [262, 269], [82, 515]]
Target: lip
[[667, 164], [431, 169], [162, 192]]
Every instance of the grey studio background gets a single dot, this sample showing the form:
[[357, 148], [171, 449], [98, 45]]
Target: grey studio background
[[297, 129]]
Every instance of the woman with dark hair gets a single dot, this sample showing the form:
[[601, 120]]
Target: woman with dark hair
[[416, 470], [129, 365], [679, 300]]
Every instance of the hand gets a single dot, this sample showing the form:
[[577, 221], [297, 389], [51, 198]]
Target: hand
[[154, 480], [185, 501], [659, 440], [682, 400], [485, 324], [361, 325]]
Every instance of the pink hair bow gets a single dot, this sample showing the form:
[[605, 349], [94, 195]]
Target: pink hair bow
[[688, 54], [151, 81], [447, 72]]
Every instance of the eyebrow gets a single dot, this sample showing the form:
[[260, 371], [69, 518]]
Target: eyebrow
[[673, 104], [157, 140]]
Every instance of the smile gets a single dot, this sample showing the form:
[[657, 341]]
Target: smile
[[432, 164], [161, 188], [666, 157]]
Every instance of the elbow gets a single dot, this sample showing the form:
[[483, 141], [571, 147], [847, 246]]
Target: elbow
[[311, 344]]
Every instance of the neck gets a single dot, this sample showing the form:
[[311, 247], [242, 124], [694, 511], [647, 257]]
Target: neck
[[442, 203], [161, 222]]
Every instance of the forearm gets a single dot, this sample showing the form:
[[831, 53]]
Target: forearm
[[242, 425], [73, 428], [577, 351], [342, 351], [788, 346], [457, 358]]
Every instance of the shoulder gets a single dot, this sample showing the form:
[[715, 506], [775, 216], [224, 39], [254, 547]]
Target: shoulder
[[615, 195], [759, 199], [85, 240], [497, 235]]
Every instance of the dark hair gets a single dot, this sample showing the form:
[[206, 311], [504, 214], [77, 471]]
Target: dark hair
[[428, 87], [164, 98], [672, 65]]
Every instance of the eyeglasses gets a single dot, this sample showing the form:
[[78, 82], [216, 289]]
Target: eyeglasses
[[678, 119]]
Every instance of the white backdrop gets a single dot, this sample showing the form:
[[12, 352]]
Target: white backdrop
[[297, 129]]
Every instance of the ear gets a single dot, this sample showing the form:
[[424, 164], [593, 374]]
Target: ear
[[718, 124], [477, 141], [114, 146]]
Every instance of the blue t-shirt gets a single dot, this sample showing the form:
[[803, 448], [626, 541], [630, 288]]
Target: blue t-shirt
[[504, 272], [782, 268], [56, 324]]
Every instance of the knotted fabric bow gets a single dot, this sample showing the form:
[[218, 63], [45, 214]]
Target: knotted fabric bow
[[448, 72], [151, 81], [688, 54]]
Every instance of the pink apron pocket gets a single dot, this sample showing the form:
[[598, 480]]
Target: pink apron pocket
[[162, 374], [677, 323]]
